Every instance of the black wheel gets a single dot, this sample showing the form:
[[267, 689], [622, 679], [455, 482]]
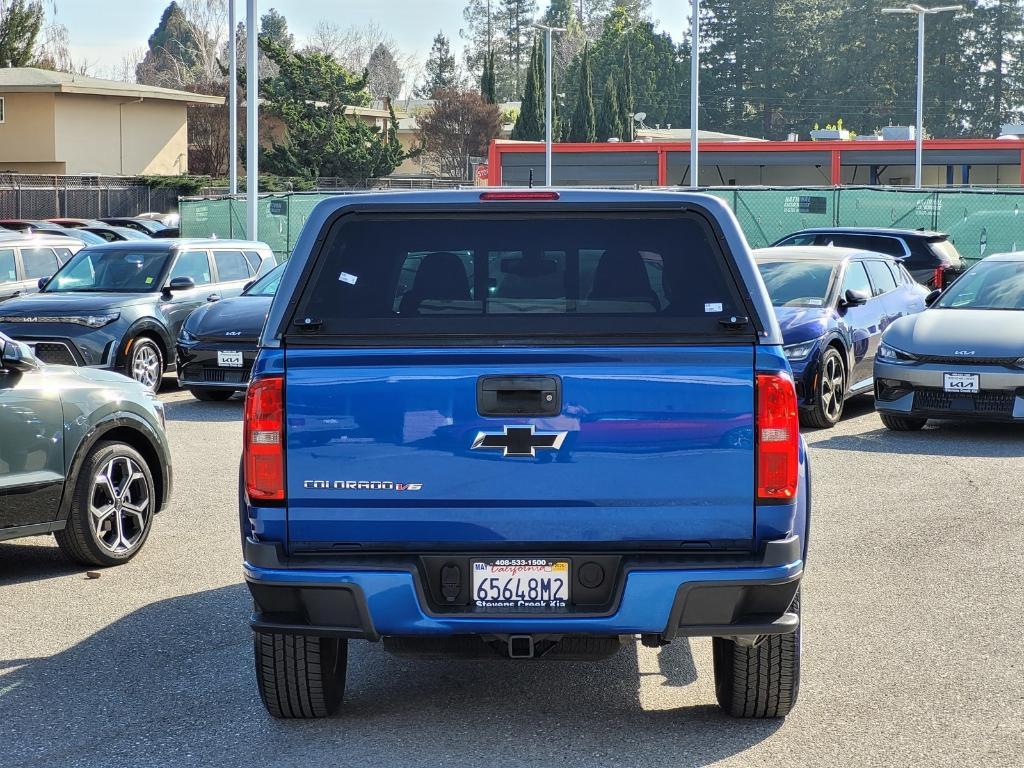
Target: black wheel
[[902, 423], [211, 395], [760, 681], [145, 363], [112, 508], [830, 393], [300, 676]]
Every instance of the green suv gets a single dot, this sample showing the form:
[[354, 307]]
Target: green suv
[[83, 456]]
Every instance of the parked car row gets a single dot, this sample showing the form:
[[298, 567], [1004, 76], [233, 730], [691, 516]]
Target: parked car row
[[121, 305], [857, 317]]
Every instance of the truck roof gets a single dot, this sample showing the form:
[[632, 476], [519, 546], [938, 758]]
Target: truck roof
[[538, 199]]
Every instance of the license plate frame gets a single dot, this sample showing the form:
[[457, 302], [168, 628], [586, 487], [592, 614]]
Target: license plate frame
[[961, 383], [229, 359], [521, 584]]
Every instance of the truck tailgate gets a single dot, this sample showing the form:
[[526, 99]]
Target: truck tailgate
[[657, 449]]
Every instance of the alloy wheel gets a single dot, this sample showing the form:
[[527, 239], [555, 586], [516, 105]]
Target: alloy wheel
[[146, 365], [119, 505], [832, 388]]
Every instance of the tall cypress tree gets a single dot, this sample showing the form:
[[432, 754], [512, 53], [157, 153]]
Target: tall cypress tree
[[487, 80], [583, 127], [625, 95], [530, 122], [609, 121]]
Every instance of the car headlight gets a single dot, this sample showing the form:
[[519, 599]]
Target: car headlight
[[91, 321], [799, 351], [890, 354], [1019, 362]]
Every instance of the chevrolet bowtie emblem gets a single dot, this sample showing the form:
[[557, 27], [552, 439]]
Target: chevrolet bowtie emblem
[[519, 441]]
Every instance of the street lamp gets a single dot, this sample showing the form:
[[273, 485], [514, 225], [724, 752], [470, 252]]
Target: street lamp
[[920, 11], [547, 98], [252, 135], [694, 92], [232, 103]]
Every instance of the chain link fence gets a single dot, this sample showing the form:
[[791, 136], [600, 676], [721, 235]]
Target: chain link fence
[[979, 222], [31, 196]]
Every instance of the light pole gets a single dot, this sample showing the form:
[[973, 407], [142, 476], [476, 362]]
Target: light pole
[[920, 11], [232, 102], [694, 93], [252, 136], [547, 98]]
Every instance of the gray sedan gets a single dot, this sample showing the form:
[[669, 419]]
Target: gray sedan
[[963, 357]]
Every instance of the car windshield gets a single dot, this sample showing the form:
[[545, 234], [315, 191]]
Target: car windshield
[[987, 285], [267, 285], [111, 269], [800, 283]]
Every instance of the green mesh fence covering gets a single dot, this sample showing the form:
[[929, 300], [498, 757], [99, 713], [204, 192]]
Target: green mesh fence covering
[[979, 222]]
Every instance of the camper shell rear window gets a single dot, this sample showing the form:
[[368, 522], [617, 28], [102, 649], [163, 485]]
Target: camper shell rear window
[[397, 279]]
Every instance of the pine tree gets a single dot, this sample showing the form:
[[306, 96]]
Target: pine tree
[[386, 76], [625, 95], [20, 23], [441, 71], [582, 127], [173, 49], [529, 124], [274, 26], [609, 121]]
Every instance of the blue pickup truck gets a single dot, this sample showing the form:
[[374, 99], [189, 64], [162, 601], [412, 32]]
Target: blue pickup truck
[[524, 424]]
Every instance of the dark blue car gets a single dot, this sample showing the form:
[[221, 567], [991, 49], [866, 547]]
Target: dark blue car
[[833, 305], [522, 423]]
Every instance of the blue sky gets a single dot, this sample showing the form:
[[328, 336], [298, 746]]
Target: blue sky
[[103, 31]]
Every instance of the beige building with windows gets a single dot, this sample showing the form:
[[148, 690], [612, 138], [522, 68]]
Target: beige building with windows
[[60, 123]]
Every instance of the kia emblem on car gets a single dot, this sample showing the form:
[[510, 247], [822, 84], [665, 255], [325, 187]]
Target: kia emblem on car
[[519, 441], [964, 352], [233, 333]]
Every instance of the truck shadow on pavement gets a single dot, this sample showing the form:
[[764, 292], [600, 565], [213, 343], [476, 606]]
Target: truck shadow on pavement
[[173, 684]]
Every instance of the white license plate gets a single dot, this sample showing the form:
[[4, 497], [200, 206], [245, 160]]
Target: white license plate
[[963, 383], [521, 585], [229, 359]]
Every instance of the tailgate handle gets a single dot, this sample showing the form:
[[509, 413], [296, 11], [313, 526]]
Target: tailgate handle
[[519, 395]]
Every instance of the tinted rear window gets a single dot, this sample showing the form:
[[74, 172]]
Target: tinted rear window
[[474, 276]]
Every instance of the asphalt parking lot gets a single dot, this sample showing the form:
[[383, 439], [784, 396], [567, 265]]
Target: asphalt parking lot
[[912, 647]]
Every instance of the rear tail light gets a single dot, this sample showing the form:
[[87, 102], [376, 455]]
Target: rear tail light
[[940, 273], [778, 437], [263, 447]]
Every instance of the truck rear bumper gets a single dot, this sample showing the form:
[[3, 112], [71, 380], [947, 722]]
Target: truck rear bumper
[[741, 600]]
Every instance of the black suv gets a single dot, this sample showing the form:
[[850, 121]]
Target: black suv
[[929, 256]]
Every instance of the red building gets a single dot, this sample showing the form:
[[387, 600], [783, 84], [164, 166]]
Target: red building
[[947, 162]]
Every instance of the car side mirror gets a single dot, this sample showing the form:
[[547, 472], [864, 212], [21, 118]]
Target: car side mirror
[[43, 281], [183, 283], [248, 285], [15, 356], [854, 298], [932, 297]]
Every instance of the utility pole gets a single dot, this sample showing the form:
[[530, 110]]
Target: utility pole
[[232, 101], [547, 98], [252, 134], [694, 94], [920, 11]]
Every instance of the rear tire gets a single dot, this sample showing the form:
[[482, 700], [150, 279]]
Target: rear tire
[[760, 681], [902, 423], [300, 676], [211, 395], [829, 395]]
